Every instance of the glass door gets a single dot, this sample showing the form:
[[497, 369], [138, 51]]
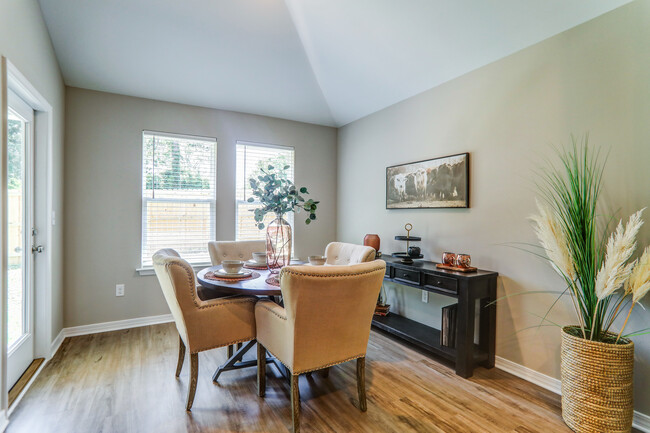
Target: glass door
[[20, 323]]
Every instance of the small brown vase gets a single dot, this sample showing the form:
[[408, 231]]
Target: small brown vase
[[371, 240]]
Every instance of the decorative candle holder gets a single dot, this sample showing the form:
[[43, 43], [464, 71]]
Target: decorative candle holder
[[463, 260], [449, 259]]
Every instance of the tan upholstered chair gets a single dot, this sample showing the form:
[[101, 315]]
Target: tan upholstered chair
[[229, 250], [341, 253], [234, 250], [325, 321], [202, 325]]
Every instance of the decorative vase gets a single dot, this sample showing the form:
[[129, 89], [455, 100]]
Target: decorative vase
[[278, 244], [371, 240], [596, 383]]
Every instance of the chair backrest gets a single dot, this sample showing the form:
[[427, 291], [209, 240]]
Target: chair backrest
[[341, 253], [234, 250], [330, 309], [177, 281]]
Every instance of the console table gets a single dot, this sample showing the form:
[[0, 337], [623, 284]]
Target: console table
[[468, 288]]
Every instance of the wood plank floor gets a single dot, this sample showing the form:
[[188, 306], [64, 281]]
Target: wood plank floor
[[123, 381]]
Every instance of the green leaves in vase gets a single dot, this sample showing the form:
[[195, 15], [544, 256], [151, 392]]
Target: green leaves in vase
[[278, 194]]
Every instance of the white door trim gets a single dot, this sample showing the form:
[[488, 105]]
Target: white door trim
[[12, 78]]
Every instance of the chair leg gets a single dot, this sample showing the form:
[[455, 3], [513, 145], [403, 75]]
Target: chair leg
[[295, 403], [261, 370], [361, 383], [231, 351], [194, 373], [324, 373], [181, 356]]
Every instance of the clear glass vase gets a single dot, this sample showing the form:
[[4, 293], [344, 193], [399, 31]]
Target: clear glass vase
[[278, 244]]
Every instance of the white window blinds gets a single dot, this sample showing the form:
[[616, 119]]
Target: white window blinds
[[250, 158], [178, 195]]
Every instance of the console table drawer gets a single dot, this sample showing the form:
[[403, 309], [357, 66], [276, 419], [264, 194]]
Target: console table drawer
[[407, 276], [438, 282]]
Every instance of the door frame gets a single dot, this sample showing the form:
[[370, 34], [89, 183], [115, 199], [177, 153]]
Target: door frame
[[12, 78]]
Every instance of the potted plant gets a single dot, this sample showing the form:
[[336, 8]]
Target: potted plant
[[604, 283], [277, 194]]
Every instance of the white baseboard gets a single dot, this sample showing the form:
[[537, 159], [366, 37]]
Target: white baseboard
[[4, 420], [641, 421], [54, 347], [117, 325]]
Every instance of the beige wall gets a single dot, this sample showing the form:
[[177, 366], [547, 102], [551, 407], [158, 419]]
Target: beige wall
[[594, 78], [25, 42], [103, 192]]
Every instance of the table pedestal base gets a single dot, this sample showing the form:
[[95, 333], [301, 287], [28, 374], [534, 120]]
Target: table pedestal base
[[235, 362]]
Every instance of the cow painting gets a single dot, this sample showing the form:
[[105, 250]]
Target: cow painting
[[434, 183]]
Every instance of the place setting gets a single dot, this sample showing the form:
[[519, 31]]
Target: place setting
[[231, 271]]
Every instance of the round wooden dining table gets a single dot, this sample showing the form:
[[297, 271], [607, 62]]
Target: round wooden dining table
[[251, 286]]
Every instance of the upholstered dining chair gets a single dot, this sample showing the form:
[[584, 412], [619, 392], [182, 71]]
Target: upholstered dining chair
[[325, 321], [341, 253], [234, 250], [202, 325], [230, 250]]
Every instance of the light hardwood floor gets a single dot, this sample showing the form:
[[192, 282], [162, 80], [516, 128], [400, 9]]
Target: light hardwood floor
[[123, 381]]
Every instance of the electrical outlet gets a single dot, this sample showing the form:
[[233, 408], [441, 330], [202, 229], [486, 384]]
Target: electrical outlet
[[425, 296], [119, 290]]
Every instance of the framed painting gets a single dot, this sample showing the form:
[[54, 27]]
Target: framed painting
[[433, 183]]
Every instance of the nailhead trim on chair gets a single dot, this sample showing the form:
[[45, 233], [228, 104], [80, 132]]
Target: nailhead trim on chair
[[222, 345], [273, 312], [316, 368], [190, 275]]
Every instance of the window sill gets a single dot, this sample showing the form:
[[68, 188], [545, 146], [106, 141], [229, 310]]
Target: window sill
[[148, 270]]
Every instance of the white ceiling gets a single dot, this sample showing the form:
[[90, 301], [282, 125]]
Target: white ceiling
[[328, 62]]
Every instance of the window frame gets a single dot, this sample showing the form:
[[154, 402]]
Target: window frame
[[291, 217], [146, 269]]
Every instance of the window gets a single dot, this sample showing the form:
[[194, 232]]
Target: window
[[251, 158], [178, 195]]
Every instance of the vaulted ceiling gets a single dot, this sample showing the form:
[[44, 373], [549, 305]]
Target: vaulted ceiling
[[328, 62]]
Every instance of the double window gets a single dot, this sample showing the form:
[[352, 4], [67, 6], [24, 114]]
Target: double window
[[178, 195], [251, 159]]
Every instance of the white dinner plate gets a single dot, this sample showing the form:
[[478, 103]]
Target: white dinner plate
[[242, 273]]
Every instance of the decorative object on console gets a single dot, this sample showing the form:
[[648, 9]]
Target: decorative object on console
[[434, 183], [449, 259], [382, 308], [463, 261], [448, 328], [406, 257], [603, 282], [372, 240], [456, 268], [277, 194]]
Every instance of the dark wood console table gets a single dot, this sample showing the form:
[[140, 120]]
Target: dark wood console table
[[468, 288]]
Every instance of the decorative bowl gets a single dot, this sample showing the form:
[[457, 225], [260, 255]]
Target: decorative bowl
[[232, 266], [259, 258], [317, 260]]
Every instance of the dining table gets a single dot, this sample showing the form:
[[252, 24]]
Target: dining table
[[258, 285]]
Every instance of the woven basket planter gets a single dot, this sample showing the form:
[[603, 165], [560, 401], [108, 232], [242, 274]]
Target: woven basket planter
[[596, 384]]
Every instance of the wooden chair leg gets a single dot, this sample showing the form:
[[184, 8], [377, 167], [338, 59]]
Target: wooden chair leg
[[261, 370], [325, 372], [295, 403], [361, 383], [181, 356], [231, 351], [194, 374]]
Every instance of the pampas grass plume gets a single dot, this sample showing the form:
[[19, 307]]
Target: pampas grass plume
[[620, 247]]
